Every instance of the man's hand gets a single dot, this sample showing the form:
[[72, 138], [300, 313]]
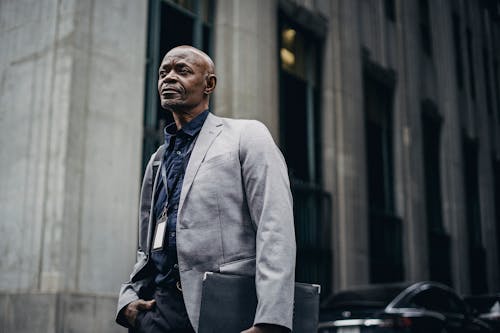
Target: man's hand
[[134, 307], [266, 328]]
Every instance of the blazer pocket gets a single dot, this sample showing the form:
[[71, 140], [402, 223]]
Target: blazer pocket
[[244, 266], [217, 160]]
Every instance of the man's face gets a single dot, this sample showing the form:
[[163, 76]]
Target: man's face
[[182, 79]]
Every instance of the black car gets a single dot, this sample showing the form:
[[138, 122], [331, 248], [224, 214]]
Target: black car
[[423, 307], [486, 307]]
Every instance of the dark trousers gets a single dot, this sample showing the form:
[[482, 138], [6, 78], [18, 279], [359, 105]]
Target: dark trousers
[[167, 316]]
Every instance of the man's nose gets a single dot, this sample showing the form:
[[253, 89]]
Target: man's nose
[[171, 76]]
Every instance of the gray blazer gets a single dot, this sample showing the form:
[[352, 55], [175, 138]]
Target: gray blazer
[[235, 216]]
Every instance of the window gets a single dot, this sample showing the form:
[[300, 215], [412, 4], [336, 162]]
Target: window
[[487, 84], [431, 130], [390, 10], [470, 55], [496, 193], [438, 240], [425, 27], [497, 87], [386, 263], [299, 87], [378, 125], [171, 23], [472, 189], [299, 81], [477, 261], [458, 51], [486, 63]]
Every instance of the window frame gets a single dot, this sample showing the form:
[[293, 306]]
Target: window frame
[[313, 105], [153, 134]]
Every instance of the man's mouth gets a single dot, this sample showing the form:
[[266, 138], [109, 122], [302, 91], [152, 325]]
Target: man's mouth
[[170, 91]]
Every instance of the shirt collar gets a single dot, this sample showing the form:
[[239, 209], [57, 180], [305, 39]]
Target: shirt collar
[[191, 128]]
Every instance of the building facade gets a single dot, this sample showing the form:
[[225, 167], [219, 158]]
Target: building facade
[[387, 112]]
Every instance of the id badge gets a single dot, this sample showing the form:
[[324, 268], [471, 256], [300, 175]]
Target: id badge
[[159, 234]]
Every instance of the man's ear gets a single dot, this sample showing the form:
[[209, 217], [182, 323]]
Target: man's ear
[[211, 82]]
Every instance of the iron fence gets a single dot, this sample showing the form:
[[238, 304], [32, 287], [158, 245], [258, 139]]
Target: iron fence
[[313, 223]]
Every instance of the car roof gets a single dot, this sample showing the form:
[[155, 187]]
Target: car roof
[[483, 296], [377, 295], [482, 303]]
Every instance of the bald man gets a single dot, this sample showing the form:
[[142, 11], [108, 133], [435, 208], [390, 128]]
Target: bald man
[[215, 197]]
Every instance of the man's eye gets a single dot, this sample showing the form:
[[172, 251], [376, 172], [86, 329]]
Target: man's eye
[[162, 74]]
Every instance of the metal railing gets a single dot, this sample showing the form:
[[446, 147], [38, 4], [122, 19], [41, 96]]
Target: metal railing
[[440, 257], [313, 223], [386, 248], [477, 262]]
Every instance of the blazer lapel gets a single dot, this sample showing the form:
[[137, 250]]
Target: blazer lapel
[[155, 177], [210, 130]]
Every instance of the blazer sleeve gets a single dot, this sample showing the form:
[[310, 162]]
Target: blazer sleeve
[[269, 200], [135, 286]]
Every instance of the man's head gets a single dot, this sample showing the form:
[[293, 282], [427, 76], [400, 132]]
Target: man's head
[[186, 78]]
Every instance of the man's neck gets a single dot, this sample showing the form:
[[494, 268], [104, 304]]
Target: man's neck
[[182, 117]]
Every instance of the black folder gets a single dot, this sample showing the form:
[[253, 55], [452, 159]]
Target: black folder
[[229, 302]]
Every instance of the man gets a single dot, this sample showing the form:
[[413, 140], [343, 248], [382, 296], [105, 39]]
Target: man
[[215, 197]]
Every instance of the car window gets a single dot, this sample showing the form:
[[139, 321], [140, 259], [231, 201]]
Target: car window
[[456, 305], [435, 299], [482, 304]]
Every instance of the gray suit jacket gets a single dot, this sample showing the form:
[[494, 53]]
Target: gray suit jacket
[[235, 215]]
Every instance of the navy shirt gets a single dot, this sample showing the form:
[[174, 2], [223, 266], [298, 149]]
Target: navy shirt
[[179, 144]]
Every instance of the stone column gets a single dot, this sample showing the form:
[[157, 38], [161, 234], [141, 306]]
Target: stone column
[[246, 60], [71, 99], [349, 196]]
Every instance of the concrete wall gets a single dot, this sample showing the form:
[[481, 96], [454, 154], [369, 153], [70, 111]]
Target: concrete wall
[[57, 312], [71, 99], [71, 108]]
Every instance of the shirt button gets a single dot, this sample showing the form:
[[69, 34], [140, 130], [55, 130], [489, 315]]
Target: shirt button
[[176, 206], [176, 266], [179, 152]]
